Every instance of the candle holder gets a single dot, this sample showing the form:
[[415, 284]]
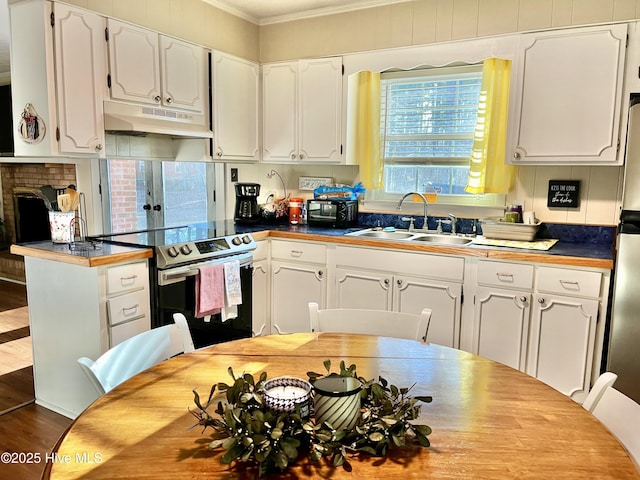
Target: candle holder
[[286, 394], [337, 401]]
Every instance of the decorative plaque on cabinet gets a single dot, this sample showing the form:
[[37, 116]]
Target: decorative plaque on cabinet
[[563, 194]]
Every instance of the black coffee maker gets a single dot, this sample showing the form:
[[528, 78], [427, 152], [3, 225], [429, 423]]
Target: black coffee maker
[[247, 210]]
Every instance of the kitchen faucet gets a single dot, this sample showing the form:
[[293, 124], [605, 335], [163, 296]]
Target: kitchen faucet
[[424, 200]]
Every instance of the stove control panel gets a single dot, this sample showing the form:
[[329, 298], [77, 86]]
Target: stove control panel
[[170, 255]]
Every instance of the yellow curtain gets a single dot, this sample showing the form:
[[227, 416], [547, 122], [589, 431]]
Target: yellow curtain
[[488, 172], [363, 127]]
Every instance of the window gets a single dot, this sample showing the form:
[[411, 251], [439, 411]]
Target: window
[[144, 194], [428, 118]]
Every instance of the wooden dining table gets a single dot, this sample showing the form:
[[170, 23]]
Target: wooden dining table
[[489, 421]]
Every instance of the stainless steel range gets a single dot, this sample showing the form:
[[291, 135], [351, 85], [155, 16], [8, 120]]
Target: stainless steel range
[[179, 252]]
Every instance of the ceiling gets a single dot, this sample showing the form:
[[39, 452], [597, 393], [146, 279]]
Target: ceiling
[[261, 12]]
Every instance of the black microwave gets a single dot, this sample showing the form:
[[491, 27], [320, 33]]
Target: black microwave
[[332, 213]]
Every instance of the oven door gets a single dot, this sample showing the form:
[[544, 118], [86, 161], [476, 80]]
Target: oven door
[[177, 294]]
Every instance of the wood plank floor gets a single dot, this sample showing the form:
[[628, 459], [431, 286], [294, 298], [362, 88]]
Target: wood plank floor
[[30, 429]]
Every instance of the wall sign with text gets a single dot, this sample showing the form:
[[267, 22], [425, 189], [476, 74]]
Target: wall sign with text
[[563, 194]]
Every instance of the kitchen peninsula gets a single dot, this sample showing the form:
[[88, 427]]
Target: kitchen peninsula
[[73, 293]]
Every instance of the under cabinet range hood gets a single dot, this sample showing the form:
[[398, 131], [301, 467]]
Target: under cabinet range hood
[[130, 119]]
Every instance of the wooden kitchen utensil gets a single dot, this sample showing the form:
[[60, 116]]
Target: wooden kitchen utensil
[[74, 197], [64, 202]]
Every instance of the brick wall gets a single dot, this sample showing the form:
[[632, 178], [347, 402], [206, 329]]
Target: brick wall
[[123, 174], [28, 175]]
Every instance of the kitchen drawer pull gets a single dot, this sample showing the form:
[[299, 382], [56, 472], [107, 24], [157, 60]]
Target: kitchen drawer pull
[[505, 276], [296, 253], [126, 311], [128, 280], [569, 282]]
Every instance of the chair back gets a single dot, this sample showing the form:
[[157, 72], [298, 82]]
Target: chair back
[[136, 354], [621, 415], [370, 322], [607, 379]]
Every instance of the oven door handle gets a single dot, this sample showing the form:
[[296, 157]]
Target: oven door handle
[[178, 274]]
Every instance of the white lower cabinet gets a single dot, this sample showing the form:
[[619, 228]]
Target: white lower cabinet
[[260, 323], [298, 276], [502, 307], [403, 282], [128, 306], [541, 320], [563, 329]]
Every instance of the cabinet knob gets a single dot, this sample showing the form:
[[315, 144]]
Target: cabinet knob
[[293, 156], [399, 282], [541, 301], [169, 100], [320, 273], [301, 156], [386, 281], [98, 147], [523, 299], [517, 155], [157, 98], [219, 153]]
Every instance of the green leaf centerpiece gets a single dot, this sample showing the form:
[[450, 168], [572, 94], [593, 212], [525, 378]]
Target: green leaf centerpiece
[[251, 431]]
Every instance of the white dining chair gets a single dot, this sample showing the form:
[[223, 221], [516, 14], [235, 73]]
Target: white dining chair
[[621, 415], [370, 322], [607, 379], [137, 353]]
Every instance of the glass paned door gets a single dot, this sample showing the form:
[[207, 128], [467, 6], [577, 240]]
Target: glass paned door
[[144, 194]]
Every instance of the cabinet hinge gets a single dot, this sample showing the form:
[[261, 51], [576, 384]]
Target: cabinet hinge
[[618, 146], [57, 134], [106, 34], [214, 195], [108, 80], [461, 298], [99, 189], [53, 19], [340, 149], [626, 44], [343, 69]]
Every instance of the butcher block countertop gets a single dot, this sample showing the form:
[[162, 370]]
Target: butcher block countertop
[[85, 254], [562, 253]]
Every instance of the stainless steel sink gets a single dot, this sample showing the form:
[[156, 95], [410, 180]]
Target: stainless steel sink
[[387, 235], [411, 236], [443, 239]]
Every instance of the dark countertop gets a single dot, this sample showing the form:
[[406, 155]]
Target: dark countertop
[[595, 252], [83, 254]]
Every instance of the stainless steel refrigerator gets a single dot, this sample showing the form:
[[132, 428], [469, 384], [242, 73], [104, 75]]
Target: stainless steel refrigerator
[[624, 341]]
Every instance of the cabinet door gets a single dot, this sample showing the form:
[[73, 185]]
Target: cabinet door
[[293, 286], [280, 112], [184, 74], [80, 79], [235, 107], [134, 63], [260, 306], [567, 96], [363, 289], [501, 325], [562, 342], [320, 87], [412, 294]]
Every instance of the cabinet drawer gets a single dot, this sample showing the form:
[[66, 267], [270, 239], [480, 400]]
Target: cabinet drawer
[[304, 252], [124, 331], [569, 282], [127, 307], [124, 278], [503, 274]]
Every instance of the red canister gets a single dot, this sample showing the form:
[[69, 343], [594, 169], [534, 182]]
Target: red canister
[[295, 209]]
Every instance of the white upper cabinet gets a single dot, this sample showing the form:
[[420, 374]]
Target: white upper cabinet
[[236, 107], [149, 68], [61, 74], [566, 97], [81, 78], [302, 111]]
